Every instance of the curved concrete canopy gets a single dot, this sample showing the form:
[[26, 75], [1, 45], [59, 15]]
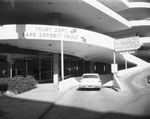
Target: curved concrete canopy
[[75, 13], [77, 42]]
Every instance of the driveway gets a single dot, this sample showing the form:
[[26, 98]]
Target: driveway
[[44, 102], [132, 102]]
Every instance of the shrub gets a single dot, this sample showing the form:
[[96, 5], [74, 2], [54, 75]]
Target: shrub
[[3, 85], [30, 79], [20, 84]]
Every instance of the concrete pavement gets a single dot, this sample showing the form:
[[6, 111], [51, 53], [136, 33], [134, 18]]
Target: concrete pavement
[[29, 105]]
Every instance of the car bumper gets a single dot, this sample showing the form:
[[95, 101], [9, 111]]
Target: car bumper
[[89, 86]]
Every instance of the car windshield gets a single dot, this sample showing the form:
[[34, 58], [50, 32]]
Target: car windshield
[[90, 76]]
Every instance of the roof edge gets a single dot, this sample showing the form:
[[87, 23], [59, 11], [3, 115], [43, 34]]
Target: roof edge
[[140, 23], [98, 5]]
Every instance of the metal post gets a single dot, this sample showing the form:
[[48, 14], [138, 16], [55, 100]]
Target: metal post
[[51, 67], [10, 68], [69, 67], [83, 67], [26, 66], [114, 57], [62, 60], [16, 71], [126, 64], [39, 67]]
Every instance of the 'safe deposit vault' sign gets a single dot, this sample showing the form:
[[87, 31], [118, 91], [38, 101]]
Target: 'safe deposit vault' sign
[[50, 32], [127, 44]]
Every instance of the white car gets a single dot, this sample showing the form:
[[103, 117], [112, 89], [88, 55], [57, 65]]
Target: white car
[[90, 80]]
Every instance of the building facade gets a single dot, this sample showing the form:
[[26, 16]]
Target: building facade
[[53, 40]]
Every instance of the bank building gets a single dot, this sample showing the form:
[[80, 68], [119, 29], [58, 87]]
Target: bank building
[[57, 39]]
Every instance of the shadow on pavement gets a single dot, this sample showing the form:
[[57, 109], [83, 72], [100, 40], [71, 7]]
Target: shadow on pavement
[[15, 108], [64, 112]]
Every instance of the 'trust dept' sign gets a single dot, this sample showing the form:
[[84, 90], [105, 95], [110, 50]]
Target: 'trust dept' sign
[[50, 32], [127, 44]]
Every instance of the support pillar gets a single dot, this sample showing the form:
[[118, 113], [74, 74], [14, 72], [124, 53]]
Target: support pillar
[[40, 68], [26, 66], [56, 68], [54, 20], [10, 65], [62, 60], [91, 67], [126, 64], [116, 82]]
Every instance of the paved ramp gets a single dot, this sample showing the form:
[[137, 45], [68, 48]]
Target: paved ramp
[[135, 60]]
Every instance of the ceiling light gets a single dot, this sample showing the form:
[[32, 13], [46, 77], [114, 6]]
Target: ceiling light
[[49, 3]]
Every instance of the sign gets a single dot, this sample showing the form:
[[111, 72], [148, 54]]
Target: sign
[[50, 32], [127, 44], [114, 68]]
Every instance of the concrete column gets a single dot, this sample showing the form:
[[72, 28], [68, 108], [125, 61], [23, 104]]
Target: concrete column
[[26, 66], [40, 68], [10, 64], [91, 67], [54, 20], [107, 68], [56, 68]]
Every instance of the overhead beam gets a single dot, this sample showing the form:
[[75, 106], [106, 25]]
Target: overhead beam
[[110, 13]]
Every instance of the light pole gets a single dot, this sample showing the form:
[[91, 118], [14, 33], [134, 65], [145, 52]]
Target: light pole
[[62, 59]]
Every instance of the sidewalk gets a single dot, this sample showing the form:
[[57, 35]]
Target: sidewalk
[[29, 105]]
